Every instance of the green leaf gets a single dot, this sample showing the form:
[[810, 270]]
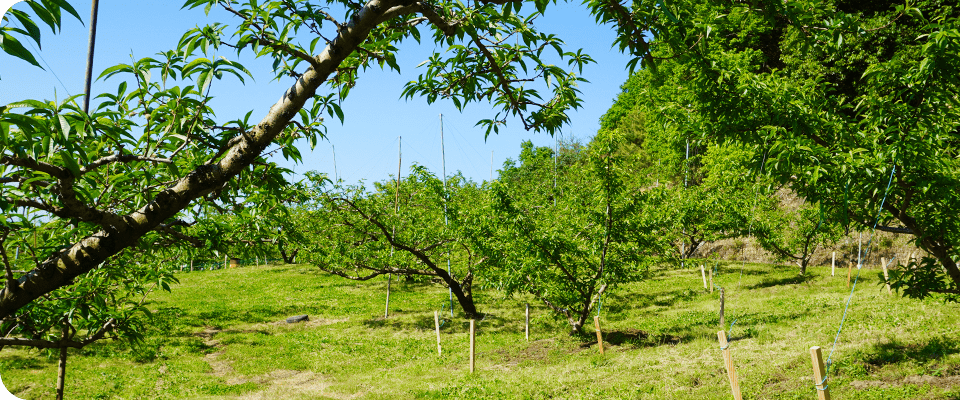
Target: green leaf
[[12, 46], [70, 163], [64, 129]]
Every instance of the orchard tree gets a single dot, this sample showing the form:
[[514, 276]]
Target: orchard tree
[[151, 158], [410, 227], [569, 242], [838, 100]]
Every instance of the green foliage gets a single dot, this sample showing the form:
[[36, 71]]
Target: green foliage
[[49, 12], [569, 229], [830, 99], [408, 227]]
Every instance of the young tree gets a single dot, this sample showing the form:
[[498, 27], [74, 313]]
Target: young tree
[[568, 243], [152, 157], [412, 228], [793, 233]]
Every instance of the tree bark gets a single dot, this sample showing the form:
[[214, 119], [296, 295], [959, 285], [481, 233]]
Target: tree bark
[[61, 267], [61, 372]]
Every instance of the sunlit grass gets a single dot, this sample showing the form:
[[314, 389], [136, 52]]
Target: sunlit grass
[[220, 334]]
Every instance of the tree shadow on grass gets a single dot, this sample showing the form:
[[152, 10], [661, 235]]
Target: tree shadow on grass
[[628, 337], [893, 352], [793, 280]]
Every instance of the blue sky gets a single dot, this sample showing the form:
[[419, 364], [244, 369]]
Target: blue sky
[[366, 144]]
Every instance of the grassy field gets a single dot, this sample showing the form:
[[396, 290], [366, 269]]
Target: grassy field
[[220, 334]]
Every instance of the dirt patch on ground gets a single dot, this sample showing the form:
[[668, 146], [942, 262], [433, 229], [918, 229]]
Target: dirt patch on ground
[[313, 322], [535, 351], [279, 384], [944, 382]]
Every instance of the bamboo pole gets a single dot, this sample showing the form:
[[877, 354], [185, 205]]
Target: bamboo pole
[[596, 324], [819, 374], [436, 324], [473, 342], [728, 362]]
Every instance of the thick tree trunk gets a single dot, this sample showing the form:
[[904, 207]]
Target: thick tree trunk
[[937, 247], [463, 293]]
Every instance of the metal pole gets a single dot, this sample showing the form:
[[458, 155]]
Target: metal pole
[[443, 159], [90, 45], [334, 150]]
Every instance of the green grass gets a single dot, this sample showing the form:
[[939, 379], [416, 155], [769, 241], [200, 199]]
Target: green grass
[[219, 335]]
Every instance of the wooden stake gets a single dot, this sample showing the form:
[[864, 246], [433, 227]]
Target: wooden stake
[[528, 322], [703, 274], [886, 274], [849, 273], [819, 373], [596, 324], [472, 344], [728, 362], [436, 324], [723, 322], [833, 264], [386, 308], [711, 280]]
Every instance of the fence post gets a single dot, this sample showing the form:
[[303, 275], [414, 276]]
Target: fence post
[[728, 362], [819, 374], [472, 344], [596, 324], [436, 324]]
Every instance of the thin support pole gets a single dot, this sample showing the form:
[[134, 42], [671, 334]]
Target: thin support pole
[[527, 330], [333, 149], [711, 280], [886, 274], [436, 324], [443, 161], [819, 374], [833, 264], [386, 308], [473, 344], [596, 324], [728, 362], [91, 44], [703, 274], [723, 322]]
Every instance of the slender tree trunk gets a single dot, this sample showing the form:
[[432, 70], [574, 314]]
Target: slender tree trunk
[[61, 372], [464, 297]]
